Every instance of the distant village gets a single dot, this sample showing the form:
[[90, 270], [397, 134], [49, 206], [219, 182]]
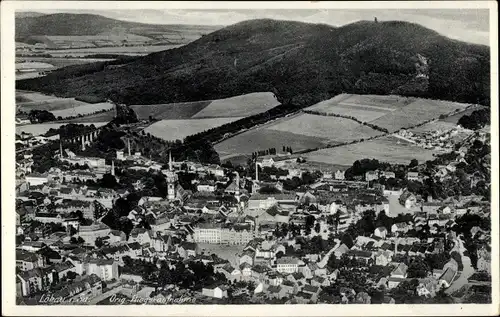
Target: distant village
[[228, 238]]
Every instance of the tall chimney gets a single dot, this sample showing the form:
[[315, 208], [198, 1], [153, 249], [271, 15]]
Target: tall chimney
[[256, 171], [113, 167], [128, 143], [83, 142], [60, 148], [170, 160]]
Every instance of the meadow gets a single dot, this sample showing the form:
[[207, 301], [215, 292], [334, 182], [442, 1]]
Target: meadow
[[123, 50], [170, 111], [386, 149], [416, 112], [58, 62], [98, 117], [262, 139], [339, 130], [239, 106], [179, 129], [433, 126], [52, 104], [83, 110]]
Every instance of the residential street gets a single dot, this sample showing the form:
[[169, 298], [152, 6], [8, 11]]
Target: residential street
[[467, 271]]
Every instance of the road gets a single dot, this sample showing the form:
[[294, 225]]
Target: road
[[325, 259], [466, 272]]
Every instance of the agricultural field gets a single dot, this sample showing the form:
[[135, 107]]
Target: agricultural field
[[179, 129], [171, 111], [42, 128], [338, 130], [454, 118], [57, 62], [239, 106], [85, 109], [123, 50], [416, 112], [365, 108], [390, 112], [387, 149], [51, 105], [98, 117], [433, 126], [262, 139]]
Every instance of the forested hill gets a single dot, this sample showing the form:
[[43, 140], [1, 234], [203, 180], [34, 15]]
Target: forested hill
[[302, 63]]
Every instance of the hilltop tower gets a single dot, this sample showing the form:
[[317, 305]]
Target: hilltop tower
[[172, 178]]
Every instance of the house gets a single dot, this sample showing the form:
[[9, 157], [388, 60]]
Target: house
[[247, 257], [216, 291], [427, 287], [340, 175], [320, 281], [447, 278], [287, 264], [484, 260], [187, 249], [383, 257], [407, 199], [246, 269], [380, 232], [400, 270], [105, 269], [304, 298], [400, 227], [116, 236], [26, 261], [32, 281], [340, 250], [274, 278], [274, 291], [140, 235], [371, 175], [230, 272], [413, 176]]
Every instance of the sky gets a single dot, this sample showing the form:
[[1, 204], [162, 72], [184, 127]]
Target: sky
[[470, 25]]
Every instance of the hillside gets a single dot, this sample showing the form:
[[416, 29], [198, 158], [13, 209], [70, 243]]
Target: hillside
[[68, 24], [301, 63], [28, 14]]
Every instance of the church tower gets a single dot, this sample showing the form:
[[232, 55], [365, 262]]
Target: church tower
[[172, 179]]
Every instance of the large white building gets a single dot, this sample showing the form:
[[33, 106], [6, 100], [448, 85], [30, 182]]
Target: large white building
[[217, 234]]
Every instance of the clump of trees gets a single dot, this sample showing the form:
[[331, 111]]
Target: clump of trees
[[40, 116], [476, 120]]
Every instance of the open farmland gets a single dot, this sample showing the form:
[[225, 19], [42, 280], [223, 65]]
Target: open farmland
[[179, 129], [362, 107], [386, 149], [261, 139], [123, 50], [53, 104], [301, 132], [454, 118], [338, 130], [98, 117], [416, 112], [170, 111], [83, 110], [239, 106], [58, 62], [42, 128], [433, 126]]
